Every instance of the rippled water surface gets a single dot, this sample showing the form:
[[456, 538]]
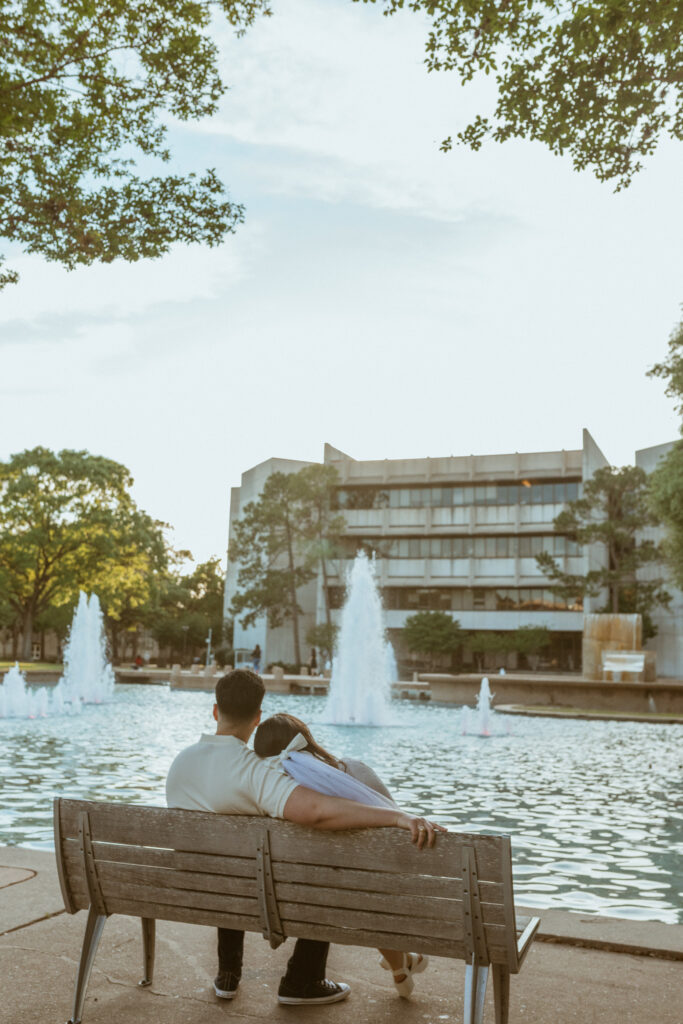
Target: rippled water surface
[[594, 809]]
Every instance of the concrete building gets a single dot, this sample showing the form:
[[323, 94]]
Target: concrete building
[[669, 621], [458, 534]]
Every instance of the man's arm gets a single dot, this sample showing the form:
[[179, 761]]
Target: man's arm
[[333, 813]]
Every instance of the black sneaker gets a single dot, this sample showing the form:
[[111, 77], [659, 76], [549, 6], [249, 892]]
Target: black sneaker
[[225, 985], [313, 994]]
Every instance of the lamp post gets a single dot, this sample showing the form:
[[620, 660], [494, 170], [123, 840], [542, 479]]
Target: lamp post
[[184, 629]]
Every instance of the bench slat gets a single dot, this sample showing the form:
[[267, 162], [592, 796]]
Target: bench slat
[[408, 943], [186, 915], [284, 871], [380, 881], [165, 878], [426, 909], [390, 922], [295, 929], [232, 835]]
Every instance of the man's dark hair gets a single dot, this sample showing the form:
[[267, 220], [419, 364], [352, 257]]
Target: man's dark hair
[[239, 695]]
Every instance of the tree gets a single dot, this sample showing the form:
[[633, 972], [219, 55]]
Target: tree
[[612, 513], [62, 517], [600, 81], [129, 574], [530, 640], [270, 546], [666, 498], [324, 636], [85, 88], [189, 605], [671, 369], [666, 481], [323, 528], [487, 642], [433, 633]]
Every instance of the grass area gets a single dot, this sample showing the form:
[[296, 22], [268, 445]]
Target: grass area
[[32, 666]]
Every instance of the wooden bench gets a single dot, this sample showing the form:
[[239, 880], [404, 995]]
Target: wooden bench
[[363, 888]]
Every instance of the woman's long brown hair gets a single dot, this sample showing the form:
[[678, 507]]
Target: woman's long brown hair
[[273, 735]]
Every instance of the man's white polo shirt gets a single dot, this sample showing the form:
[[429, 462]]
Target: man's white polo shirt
[[223, 774]]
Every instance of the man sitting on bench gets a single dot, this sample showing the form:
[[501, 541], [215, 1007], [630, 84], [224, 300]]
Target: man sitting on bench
[[221, 773]]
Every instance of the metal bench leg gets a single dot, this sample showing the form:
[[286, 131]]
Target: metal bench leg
[[501, 993], [475, 991], [93, 933], [148, 943]]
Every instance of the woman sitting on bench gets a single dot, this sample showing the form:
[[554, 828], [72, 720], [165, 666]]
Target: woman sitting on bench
[[290, 741]]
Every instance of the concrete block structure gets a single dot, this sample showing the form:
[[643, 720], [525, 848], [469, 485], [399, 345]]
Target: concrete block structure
[[458, 534]]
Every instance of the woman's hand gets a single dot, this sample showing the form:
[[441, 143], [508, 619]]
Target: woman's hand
[[421, 829]]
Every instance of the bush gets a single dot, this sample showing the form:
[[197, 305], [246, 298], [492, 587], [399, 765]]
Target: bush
[[289, 668], [324, 637], [224, 657]]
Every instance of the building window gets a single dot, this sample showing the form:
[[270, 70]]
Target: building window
[[552, 492], [458, 599], [507, 546]]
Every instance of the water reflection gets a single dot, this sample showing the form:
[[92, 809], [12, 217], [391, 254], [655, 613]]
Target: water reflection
[[594, 808]]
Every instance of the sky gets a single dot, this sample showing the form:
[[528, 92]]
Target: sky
[[382, 296]]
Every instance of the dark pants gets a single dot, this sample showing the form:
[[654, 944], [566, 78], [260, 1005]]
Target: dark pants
[[306, 964]]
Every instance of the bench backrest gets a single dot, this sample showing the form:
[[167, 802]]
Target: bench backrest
[[366, 888]]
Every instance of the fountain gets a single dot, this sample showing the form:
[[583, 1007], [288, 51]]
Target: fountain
[[482, 720], [88, 677], [360, 685], [16, 701], [390, 663]]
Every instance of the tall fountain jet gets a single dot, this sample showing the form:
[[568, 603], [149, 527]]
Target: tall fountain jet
[[360, 688], [88, 677]]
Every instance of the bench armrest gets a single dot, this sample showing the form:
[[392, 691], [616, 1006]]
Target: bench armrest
[[526, 938]]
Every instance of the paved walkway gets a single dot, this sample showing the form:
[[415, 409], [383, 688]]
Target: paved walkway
[[559, 984]]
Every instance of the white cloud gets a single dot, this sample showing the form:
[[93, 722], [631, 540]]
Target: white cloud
[[121, 289]]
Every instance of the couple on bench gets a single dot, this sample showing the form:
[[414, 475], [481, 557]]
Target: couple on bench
[[287, 775]]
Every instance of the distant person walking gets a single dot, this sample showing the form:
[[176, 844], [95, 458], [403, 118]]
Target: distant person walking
[[256, 658], [313, 663]]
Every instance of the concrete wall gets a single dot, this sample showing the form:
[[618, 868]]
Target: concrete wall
[[460, 468], [668, 644], [276, 644], [595, 556], [560, 692]]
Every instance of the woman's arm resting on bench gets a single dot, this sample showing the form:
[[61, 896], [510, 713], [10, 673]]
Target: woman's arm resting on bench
[[306, 807]]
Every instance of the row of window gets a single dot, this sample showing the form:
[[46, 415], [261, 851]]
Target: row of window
[[465, 547], [526, 493], [457, 599]]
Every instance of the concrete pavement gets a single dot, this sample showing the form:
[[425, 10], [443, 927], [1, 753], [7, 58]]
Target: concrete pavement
[[560, 983]]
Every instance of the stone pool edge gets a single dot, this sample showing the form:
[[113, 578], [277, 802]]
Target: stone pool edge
[[37, 897]]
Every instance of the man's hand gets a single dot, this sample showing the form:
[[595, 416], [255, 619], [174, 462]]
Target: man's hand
[[421, 829]]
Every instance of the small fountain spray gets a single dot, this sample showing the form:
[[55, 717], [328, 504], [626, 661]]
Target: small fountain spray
[[360, 688], [17, 701], [482, 720], [88, 677]]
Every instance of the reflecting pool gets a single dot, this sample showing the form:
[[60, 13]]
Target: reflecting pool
[[594, 809]]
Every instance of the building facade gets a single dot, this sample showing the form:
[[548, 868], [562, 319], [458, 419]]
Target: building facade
[[458, 534]]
